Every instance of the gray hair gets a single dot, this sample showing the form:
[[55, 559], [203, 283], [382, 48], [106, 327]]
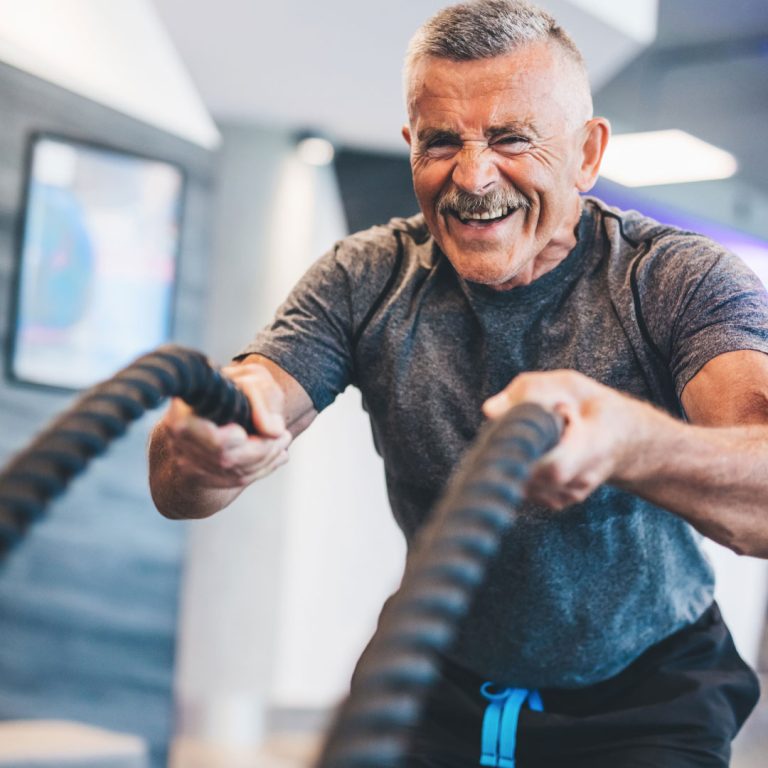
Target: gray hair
[[483, 29]]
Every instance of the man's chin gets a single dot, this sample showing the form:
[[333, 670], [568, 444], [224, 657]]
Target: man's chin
[[492, 245], [492, 272]]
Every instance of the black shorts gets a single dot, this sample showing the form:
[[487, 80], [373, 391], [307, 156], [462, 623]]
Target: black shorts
[[679, 705]]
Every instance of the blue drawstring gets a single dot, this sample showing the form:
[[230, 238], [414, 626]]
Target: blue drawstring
[[499, 733]]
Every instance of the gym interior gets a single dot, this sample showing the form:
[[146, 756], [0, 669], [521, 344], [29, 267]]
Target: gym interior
[[228, 145]]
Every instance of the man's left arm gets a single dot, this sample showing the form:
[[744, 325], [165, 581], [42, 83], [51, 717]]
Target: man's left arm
[[712, 471]]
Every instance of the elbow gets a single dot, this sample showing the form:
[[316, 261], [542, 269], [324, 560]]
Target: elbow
[[163, 506], [175, 505], [167, 501], [751, 548], [174, 509], [748, 544], [740, 548], [169, 513], [745, 532]]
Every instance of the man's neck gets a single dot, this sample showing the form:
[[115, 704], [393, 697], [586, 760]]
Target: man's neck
[[556, 250]]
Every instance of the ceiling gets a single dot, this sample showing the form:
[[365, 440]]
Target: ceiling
[[334, 66], [707, 73], [300, 63]]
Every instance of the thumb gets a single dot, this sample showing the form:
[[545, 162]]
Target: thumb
[[496, 406]]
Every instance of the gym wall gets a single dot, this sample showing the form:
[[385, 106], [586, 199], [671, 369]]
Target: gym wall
[[88, 600]]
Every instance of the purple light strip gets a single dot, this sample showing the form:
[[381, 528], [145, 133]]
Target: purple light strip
[[751, 249]]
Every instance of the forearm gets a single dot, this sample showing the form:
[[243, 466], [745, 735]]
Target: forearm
[[714, 477], [712, 472], [178, 494]]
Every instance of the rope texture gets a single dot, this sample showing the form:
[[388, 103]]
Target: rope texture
[[444, 569], [45, 468]]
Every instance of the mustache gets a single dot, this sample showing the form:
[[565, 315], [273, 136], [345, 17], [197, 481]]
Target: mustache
[[459, 202]]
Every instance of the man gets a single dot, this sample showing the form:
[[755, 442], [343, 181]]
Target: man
[[512, 287]]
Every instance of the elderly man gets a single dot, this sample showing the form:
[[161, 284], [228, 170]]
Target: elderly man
[[511, 286]]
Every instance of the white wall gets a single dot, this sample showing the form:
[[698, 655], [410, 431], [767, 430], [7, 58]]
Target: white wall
[[230, 592], [281, 590], [343, 554], [116, 53]]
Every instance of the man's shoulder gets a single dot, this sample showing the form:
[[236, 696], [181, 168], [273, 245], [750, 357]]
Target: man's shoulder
[[389, 236], [634, 228], [636, 237], [381, 248]]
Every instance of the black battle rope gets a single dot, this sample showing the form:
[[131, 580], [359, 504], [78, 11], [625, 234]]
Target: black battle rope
[[44, 469], [445, 566], [443, 571]]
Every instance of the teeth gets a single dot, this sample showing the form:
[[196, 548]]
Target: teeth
[[486, 215]]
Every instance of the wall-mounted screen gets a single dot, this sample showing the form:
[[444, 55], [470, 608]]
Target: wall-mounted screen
[[97, 261]]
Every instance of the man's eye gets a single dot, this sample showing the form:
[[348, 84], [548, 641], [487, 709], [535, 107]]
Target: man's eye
[[442, 145], [442, 142], [510, 144]]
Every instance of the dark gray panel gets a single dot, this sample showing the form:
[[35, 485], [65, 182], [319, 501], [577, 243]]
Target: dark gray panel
[[713, 84], [374, 186], [692, 22]]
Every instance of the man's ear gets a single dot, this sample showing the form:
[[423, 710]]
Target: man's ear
[[407, 134], [597, 131]]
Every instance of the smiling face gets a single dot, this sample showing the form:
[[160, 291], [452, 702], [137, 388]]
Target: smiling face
[[500, 149]]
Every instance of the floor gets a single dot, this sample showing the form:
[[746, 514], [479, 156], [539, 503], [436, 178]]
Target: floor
[[281, 751], [298, 749]]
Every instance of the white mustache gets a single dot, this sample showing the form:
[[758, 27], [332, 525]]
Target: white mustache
[[456, 201]]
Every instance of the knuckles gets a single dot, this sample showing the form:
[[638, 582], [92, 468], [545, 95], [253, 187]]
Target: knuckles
[[213, 456], [258, 384], [252, 373], [552, 475], [557, 488]]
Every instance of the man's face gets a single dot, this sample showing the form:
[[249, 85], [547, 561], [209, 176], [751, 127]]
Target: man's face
[[496, 153]]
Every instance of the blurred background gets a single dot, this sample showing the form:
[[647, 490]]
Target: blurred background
[[167, 171]]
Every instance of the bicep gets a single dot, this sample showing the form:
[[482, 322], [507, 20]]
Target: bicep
[[731, 389], [298, 410]]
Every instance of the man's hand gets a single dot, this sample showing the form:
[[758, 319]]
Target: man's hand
[[602, 430], [226, 457], [198, 468], [712, 471]]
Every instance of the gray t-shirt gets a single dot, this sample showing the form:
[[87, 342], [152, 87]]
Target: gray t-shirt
[[574, 596]]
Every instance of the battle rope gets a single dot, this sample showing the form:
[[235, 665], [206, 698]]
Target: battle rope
[[445, 566], [44, 469]]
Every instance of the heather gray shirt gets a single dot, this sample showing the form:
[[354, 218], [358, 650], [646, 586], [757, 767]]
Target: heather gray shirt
[[574, 596]]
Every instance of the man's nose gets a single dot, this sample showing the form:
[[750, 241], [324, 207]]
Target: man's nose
[[475, 171]]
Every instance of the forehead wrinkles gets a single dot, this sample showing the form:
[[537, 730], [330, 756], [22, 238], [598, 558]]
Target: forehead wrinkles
[[441, 92], [537, 79], [470, 124], [487, 111]]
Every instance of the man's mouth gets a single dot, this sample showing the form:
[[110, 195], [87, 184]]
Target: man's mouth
[[484, 218]]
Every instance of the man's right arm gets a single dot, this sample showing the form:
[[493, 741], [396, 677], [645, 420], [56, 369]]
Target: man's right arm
[[197, 468]]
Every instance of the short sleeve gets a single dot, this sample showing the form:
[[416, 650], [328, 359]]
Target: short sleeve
[[700, 301], [310, 336]]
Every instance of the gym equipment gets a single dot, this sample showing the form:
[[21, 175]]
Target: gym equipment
[[44, 469], [444, 568]]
